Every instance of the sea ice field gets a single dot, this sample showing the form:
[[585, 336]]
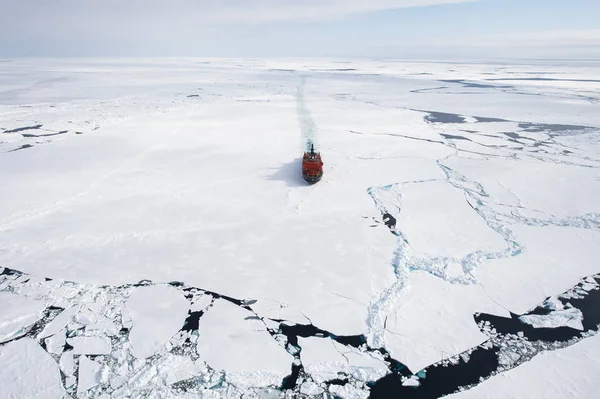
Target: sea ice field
[[157, 239]]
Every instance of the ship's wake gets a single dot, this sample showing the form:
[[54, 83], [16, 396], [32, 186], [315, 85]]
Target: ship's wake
[[308, 128]]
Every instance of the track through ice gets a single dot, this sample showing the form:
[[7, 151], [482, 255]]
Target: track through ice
[[308, 127]]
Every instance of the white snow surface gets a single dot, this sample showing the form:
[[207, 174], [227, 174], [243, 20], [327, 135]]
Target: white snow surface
[[157, 312], [56, 343], [66, 363], [28, 372], [18, 313], [232, 340], [90, 345], [438, 221], [187, 170], [90, 374]]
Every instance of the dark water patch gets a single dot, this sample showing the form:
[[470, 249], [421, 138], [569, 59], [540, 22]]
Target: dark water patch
[[441, 379], [337, 381], [389, 221], [475, 85], [356, 341], [235, 301], [24, 128], [78, 132], [292, 332], [551, 128], [454, 137], [290, 382], [589, 306], [10, 272], [192, 322], [23, 147], [567, 152], [513, 135], [193, 96], [176, 284], [441, 117], [68, 347], [483, 119], [27, 135], [143, 283], [395, 366]]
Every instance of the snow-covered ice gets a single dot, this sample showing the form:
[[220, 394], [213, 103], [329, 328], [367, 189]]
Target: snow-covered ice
[[56, 343], [558, 318], [232, 340], [90, 345], [438, 221], [90, 374], [157, 313], [18, 313], [28, 372]]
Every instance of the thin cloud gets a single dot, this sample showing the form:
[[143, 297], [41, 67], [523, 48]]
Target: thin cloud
[[202, 11]]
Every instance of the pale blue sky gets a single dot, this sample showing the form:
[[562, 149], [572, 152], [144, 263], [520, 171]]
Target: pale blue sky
[[319, 28]]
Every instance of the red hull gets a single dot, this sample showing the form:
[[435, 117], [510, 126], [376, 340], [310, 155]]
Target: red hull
[[312, 167]]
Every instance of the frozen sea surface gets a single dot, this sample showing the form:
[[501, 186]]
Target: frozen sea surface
[[157, 239]]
